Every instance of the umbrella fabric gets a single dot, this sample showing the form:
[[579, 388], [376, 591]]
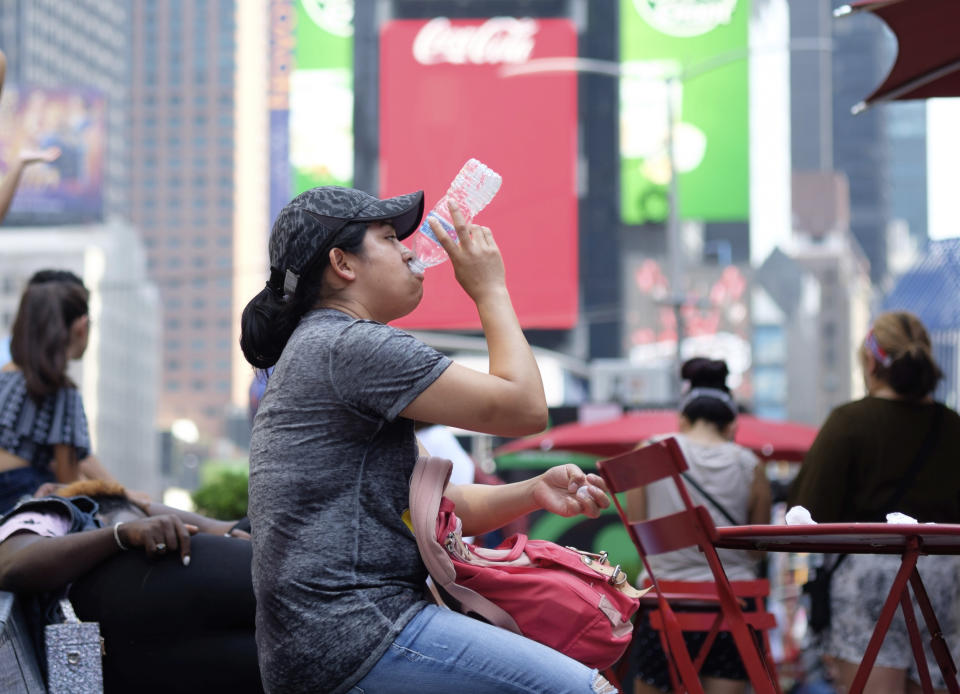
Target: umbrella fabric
[[928, 58], [770, 439]]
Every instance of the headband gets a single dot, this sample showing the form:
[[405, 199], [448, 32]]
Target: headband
[[712, 393], [876, 350]]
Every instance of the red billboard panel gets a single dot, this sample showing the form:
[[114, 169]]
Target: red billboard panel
[[444, 99]]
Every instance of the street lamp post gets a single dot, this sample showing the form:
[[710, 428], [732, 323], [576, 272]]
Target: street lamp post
[[674, 250]]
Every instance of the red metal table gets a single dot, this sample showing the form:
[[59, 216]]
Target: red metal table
[[909, 541]]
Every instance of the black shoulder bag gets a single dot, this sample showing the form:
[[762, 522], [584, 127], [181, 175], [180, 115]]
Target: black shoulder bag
[[818, 588]]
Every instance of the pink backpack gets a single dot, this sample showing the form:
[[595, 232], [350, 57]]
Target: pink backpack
[[573, 601]]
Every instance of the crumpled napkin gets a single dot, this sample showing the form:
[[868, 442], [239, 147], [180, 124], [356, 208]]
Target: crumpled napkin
[[798, 515], [903, 518]]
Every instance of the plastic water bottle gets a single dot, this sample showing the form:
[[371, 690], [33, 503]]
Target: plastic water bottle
[[471, 191]]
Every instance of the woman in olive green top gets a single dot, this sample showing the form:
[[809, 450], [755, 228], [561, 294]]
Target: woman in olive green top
[[854, 469]]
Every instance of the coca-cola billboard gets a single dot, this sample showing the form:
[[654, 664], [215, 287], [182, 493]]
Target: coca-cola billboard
[[497, 40], [444, 98]]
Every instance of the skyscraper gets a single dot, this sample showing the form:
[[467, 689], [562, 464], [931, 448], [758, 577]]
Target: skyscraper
[[183, 65]]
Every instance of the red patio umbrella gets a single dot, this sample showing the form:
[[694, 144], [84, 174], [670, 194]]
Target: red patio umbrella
[[928, 58], [770, 439]]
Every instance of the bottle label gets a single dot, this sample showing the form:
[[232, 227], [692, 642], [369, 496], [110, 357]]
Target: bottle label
[[427, 230]]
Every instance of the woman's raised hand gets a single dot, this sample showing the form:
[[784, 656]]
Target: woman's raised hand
[[477, 263], [567, 491], [158, 535], [32, 156]]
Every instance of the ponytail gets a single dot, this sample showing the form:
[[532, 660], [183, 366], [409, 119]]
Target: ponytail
[[41, 334], [914, 374], [270, 318]]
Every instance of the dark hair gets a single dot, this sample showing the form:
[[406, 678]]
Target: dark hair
[[710, 374], [41, 334], [269, 319], [44, 276], [912, 371]]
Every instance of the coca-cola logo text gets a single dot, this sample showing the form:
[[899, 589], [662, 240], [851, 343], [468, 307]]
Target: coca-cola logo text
[[497, 40]]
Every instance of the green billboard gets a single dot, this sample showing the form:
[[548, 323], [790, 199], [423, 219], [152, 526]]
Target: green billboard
[[321, 94], [685, 60]]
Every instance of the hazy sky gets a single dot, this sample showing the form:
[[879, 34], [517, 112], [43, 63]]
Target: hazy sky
[[943, 168]]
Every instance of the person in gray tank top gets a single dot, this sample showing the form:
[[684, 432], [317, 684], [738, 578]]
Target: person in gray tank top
[[337, 576], [733, 477]]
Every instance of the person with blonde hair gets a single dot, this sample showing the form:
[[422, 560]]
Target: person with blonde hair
[[893, 450]]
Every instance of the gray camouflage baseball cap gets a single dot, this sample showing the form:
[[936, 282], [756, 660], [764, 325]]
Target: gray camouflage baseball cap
[[309, 225]]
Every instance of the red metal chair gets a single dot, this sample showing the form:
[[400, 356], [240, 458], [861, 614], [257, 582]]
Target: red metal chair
[[693, 526]]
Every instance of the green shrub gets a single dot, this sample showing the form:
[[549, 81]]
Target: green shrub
[[223, 495]]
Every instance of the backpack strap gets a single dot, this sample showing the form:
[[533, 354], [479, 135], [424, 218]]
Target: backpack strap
[[427, 484]]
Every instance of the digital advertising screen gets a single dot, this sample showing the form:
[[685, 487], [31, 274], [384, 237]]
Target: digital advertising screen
[[70, 126], [684, 83], [445, 97]]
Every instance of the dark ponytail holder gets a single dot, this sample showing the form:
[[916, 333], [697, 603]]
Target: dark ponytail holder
[[275, 283]]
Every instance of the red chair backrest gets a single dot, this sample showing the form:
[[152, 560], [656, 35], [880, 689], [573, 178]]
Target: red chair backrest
[[642, 466], [691, 526]]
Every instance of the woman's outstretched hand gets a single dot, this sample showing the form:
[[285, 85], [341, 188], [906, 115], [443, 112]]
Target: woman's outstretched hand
[[32, 156], [477, 263], [567, 491], [158, 536]]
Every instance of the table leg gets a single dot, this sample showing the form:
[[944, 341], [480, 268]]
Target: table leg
[[938, 644], [907, 565], [915, 643]]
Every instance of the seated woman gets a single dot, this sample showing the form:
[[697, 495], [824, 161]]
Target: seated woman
[[734, 478], [43, 427], [171, 590]]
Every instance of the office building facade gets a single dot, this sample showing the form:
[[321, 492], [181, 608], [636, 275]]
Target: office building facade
[[183, 70]]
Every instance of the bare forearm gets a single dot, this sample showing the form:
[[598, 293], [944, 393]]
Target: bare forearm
[[484, 507], [510, 355], [37, 564], [9, 187]]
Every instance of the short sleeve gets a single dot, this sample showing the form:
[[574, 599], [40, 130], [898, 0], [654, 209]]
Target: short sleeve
[[68, 423], [380, 370], [46, 523]]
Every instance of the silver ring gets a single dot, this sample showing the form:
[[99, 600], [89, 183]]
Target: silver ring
[[161, 547]]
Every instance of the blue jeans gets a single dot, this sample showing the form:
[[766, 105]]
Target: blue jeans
[[20, 482], [440, 651]]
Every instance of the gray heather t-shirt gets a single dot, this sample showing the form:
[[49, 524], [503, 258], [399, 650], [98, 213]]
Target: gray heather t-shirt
[[336, 571]]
